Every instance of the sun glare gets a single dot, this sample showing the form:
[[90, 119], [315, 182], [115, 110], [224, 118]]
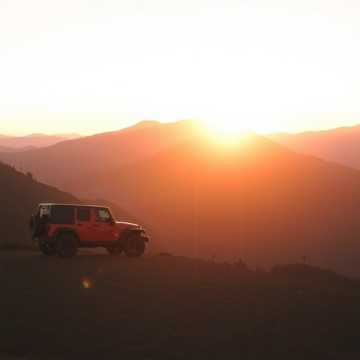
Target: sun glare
[[225, 132]]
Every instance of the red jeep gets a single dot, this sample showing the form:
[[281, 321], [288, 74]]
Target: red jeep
[[62, 229]]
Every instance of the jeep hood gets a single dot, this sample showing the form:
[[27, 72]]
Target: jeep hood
[[126, 225]]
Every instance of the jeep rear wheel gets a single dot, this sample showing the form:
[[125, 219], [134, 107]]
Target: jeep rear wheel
[[47, 248], [66, 245], [134, 246]]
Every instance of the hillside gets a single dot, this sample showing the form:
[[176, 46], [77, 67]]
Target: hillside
[[258, 201], [341, 145], [166, 307], [65, 163], [19, 195]]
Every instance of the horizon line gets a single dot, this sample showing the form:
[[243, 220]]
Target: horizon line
[[79, 134]]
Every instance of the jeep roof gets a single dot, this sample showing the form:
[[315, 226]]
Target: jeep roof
[[75, 205]]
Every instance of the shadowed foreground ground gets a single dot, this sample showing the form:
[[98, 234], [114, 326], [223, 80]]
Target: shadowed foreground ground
[[162, 307]]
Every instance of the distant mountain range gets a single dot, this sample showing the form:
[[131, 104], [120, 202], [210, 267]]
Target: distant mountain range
[[259, 200], [15, 143], [341, 145], [5, 149], [64, 163]]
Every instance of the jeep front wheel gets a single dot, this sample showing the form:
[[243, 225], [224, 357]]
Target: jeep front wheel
[[134, 246], [66, 245]]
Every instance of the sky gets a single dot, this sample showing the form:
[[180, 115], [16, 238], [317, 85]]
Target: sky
[[89, 66]]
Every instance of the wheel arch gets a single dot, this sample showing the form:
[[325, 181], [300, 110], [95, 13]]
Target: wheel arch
[[66, 230]]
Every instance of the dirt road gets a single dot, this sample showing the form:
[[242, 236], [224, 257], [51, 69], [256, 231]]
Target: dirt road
[[164, 307]]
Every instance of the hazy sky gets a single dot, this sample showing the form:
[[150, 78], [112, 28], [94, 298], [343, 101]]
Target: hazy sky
[[95, 65]]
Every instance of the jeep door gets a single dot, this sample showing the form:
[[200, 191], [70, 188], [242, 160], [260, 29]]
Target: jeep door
[[84, 224], [104, 225]]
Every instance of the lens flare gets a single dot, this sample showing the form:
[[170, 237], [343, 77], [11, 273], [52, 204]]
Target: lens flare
[[86, 283]]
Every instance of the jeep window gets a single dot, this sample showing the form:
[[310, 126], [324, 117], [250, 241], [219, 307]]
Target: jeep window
[[103, 215], [83, 214], [61, 214]]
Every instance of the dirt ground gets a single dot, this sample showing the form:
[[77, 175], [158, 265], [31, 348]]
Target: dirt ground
[[98, 306]]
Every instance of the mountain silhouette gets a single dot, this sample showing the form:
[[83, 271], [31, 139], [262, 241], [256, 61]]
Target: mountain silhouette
[[341, 145], [255, 200], [64, 163], [258, 201]]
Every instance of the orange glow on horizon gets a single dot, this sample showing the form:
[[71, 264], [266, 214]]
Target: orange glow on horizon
[[225, 133]]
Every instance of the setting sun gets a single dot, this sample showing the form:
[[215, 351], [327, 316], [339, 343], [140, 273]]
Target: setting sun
[[224, 131], [226, 128]]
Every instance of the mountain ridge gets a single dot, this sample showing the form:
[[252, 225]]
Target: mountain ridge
[[34, 140], [256, 199], [264, 194], [340, 145]]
